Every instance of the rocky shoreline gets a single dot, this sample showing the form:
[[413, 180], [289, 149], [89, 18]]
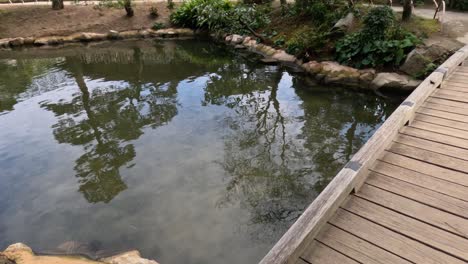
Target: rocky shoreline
[[329, 72], [22, 254]]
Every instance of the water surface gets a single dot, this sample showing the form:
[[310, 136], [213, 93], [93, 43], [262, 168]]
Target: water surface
[[183, 150]]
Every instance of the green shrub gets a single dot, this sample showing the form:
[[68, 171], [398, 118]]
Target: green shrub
[[460, 4], [308, 39], [379, 43], [158, 26], [204, 14], [378, 21]]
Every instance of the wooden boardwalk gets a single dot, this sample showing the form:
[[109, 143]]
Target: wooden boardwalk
[[404, 198]]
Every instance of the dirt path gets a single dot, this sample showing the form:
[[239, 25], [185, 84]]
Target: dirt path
[[18, 20], [455, 23]]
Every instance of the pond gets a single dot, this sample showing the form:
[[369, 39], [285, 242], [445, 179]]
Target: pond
[[185, 150]]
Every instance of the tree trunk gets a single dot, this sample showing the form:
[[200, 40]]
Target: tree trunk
[[407, 10], [128, 8], [57, 4]]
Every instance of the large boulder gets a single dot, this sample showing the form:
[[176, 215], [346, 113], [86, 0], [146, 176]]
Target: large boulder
[[335, 73], [130, 257], [394, 81], [5, 260], [419, 60], [17, 42], [48, 41], [237, 39], [345, 23]]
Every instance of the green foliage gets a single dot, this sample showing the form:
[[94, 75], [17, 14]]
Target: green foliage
[[379, 43], [216, 15], [307, 39], [111, 4], [204, 14], [378, 21], [158, 25], [460, 4]]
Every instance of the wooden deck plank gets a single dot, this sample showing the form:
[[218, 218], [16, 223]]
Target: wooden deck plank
[[457, 83], [435, 136], [451, 95], [426, 168], [391, 241], [442, 114], [430, 157], [301, 261], [447, 102], [419, 194], [429, 215], [433, 146], [440, 183], [461, 135], [322, 254], [357, 248], [424, 233], [441, 121], [446, 108]]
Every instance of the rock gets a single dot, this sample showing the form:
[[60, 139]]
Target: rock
[[366, 77], [144, 33], [130, 34], [29, 41], [131, 257], [239, 46], [237, 39], [345, 23], [5, 260], [313, 67], [17, 42], [87, 37], [4, 43], [391, 80], [246, 40], [340, 74], [283, 56], [417, 62], [269, 61], [113, 34], [75, 37], [228, 38], [48, 41], [184, 32]]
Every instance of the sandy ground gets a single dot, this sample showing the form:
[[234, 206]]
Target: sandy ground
[[18, 20], [455, 24]]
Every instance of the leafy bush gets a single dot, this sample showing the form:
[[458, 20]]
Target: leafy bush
[[379, 43], [460, 4], [216, 15], [158, 26], [378, 21], [204, 14], [309, 39]]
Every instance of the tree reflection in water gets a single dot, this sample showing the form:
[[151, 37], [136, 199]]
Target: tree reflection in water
[[104, 121], [279, 156]]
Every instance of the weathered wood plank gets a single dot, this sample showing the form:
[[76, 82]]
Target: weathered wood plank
[[422, 232], [448, 185], [461, 136], [442, 114], [301, 261], [441, 121], [430, 157], [424, 213], [454, 83], [436, 147], [446, 108], [322, 254], [425, 196], [356, 248], [429, 133], [389, 240], [451, 95], [447, 102]]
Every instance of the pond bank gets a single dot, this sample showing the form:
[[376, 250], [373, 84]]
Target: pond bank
[[329, 72], [22, 254]]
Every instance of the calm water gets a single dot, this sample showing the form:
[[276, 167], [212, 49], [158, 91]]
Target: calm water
[[183, 150]]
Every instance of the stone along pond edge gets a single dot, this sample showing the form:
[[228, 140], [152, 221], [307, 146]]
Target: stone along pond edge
[[325, 72]]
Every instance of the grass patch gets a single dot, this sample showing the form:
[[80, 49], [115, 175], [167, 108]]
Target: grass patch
[[421, 27]]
